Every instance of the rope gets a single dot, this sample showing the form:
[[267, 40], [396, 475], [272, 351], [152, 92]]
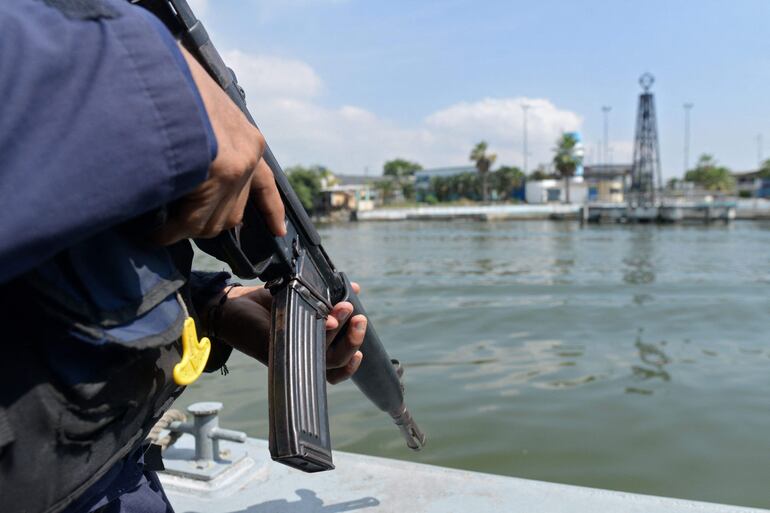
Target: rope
[[168, 440]]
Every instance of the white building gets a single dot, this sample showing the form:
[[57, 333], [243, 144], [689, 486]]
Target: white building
[[553, 191]]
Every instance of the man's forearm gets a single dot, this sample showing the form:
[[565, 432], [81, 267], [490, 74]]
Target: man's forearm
[[206, 292]]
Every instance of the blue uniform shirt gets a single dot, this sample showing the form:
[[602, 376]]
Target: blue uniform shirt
[[100, 123]]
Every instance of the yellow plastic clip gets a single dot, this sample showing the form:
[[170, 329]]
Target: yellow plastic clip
[[195, 354]]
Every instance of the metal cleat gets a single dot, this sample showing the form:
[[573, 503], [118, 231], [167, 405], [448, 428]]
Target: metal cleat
[[208, 460]]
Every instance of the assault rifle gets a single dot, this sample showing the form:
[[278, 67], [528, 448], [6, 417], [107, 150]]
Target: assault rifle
[[304, 284]]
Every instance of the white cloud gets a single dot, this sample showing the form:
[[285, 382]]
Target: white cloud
[[500, 122], [272, 76], [282, 96]]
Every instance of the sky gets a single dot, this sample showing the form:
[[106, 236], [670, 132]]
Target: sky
[[350, 84]]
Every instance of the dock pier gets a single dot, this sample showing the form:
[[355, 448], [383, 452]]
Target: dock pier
[[665, 213]]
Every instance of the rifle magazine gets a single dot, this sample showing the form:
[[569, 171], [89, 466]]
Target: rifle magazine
[[299, 422]]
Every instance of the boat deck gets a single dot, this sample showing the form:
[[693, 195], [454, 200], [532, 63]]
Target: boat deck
[[255, 484]]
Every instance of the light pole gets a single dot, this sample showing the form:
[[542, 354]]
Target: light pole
[[524, 108], [760, 150], [687, 109], [606, 111]]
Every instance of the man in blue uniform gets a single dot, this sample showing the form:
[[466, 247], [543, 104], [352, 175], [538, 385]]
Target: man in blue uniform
[[105, 120]]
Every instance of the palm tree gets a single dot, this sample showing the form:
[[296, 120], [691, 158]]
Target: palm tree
[[566, 160], [505, 180], [483, 162]]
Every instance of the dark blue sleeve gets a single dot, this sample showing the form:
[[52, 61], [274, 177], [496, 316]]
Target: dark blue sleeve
[[98, 124]]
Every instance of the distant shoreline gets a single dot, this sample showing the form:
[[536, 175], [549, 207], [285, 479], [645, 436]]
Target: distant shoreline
[[477, 212], [745, 210]]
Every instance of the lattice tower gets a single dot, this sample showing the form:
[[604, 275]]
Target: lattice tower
[[645, 173]]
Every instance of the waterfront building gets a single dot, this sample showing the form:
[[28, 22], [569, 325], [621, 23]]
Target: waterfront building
[[607, 183], [601, 183], [752, 184], [348, 193], [552, 190]]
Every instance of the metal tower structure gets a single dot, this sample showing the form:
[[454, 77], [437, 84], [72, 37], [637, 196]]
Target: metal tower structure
[[645, 173]]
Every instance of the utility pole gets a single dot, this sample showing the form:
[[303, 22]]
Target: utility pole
[[606, 110], [760, 152], [524, 108], [687, 109]]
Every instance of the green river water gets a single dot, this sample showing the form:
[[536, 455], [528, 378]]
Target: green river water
[[632, 358]]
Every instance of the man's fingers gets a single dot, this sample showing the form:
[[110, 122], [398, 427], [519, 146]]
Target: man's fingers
[[335, 376], [235, 215], [184, 221], [356, 287], [340, 314], [339, 354], [267, 198], [215, 205], [229, 211], [259, 295]]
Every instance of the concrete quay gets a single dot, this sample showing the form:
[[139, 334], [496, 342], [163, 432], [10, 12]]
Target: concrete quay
[[476, 212], [672, 212], [669, 212]]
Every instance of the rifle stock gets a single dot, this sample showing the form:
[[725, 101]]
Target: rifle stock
[[304, 284]]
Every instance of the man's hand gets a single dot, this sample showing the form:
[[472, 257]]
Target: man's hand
[[238, 170], [244, 323]]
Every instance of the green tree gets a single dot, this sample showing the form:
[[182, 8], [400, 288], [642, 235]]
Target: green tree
[[436, 185], [711, 176], [408, 189], [455, 187], [505, 180], [325, 175], [565, 159], [540, 173], [306, 182], [386, 189], [483, 162], [400, 168], [402, 171], [468, 186], [441, 187]]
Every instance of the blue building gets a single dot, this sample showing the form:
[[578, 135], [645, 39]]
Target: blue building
[[752, 184]]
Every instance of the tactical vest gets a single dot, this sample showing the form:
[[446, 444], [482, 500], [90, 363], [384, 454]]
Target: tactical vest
[[90, 341]]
